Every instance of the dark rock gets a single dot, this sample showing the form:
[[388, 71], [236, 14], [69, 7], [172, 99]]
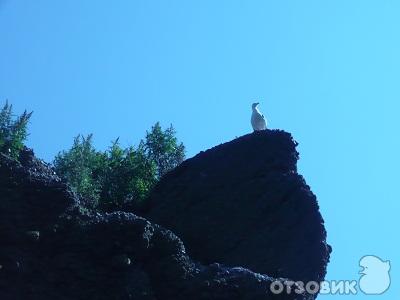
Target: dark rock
[[33, 235], [121, 261], [85, 256], [243, 203]]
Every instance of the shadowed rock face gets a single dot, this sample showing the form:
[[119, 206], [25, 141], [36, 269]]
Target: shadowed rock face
[[49, 249], [243, 203]]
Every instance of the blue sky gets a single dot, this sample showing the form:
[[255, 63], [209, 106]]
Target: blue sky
[[326, 71]]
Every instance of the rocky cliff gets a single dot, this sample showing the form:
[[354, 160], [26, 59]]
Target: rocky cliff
[[227, 203], [243, 203]]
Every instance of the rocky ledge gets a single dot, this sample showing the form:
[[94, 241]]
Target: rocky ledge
[[243, 203]]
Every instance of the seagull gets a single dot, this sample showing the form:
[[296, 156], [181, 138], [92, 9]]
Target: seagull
[[257, 119]]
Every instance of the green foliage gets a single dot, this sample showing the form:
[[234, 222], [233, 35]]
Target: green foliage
[[115, 179], [126, 177], [163, 149], [13, 131], [78, 165], [118, 178]]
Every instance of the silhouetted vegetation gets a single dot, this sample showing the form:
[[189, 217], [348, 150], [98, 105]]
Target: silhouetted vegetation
[[115, 179], [13, 130], [119, 178]]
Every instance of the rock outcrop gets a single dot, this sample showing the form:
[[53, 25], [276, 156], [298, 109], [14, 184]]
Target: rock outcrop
[[243, 203], [240, 208], [52, 249]]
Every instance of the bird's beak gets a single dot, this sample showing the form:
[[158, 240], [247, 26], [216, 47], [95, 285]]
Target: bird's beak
[[362, 271], [257, 103]]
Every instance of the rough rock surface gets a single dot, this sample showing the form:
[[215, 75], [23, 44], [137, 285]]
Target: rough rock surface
[[243, 203], [51, 249]]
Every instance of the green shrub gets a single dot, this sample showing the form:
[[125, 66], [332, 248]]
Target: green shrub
[[13, 130], [118, 178], [162, 148], [126, 178], [77, 166]]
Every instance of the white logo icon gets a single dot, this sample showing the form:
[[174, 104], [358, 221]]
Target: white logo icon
[[375, 278]]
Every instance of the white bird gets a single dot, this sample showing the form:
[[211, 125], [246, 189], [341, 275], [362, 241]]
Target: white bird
[[257, 119]]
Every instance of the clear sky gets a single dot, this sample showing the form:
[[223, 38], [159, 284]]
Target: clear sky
[[326, 71]]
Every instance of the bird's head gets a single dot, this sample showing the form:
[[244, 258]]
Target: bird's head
[[254, 105]]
